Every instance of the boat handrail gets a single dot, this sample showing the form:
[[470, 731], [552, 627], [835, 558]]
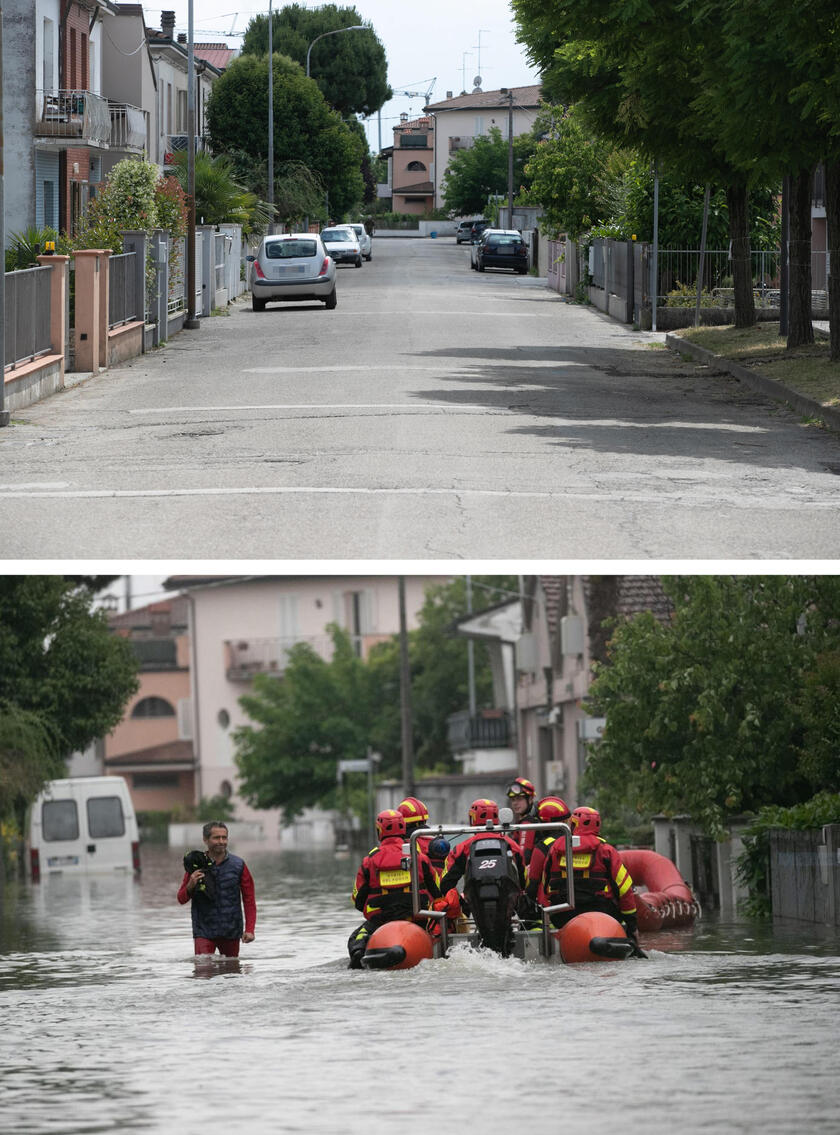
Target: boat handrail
[[502, 829]]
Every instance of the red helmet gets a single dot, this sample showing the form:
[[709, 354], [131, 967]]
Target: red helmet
[[521, 787], [414, 810], [551, 810], [586, 821], [482, 812], [390, 822]]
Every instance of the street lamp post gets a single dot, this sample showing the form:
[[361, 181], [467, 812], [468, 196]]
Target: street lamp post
[[191, 323], [335, 31]]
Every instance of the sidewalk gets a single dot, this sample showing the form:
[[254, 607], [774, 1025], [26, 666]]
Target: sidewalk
[[815, 396]]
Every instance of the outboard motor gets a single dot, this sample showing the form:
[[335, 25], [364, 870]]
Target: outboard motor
[[491, 887]]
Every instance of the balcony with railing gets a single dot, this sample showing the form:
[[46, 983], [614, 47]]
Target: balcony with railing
[[245, 658], [178, 143], [486, 729], [461, 142], [128, 127], [73, 118]]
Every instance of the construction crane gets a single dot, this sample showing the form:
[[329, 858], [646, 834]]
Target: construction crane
[[426, 95]]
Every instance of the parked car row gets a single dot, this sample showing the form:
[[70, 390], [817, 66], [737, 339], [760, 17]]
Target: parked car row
[[500, 248], [302, 266], [468, 232]]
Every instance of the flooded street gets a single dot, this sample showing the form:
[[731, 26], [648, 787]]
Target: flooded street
[[110, 1025]]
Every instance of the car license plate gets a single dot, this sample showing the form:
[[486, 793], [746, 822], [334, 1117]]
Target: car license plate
[[289, 270], [63, 861]]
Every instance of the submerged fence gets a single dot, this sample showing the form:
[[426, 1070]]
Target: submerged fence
[[805, 874]]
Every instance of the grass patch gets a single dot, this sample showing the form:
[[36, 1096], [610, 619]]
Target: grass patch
[[808, 370]]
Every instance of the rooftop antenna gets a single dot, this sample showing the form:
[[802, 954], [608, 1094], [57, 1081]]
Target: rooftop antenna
[[464, 69], [481, 32]]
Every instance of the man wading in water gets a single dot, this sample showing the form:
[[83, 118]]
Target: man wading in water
[[217, 923]]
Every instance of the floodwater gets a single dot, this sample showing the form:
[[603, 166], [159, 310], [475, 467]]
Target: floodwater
[[109, 1023]]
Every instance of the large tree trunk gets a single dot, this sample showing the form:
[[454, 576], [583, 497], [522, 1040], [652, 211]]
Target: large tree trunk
[[800, 328], [737, 201], [832, 213]]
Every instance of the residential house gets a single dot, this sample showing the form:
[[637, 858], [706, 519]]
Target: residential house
[[460, 120], [170, 54], [129, 80], [57, 122], [411, 161], [152, 746], [241, 626], [563, 633], [542, 646]]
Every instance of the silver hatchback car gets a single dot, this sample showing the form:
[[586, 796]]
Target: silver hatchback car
[[292, 266]]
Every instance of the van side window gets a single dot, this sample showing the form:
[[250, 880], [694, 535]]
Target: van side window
[[105, 817], [59, 820]]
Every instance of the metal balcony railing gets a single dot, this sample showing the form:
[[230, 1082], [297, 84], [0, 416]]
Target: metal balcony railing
[[487, 729], [74, 118], [128, 127], [245, 658]]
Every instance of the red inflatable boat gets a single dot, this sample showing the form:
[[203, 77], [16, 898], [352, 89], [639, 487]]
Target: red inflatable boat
[[665, 899]]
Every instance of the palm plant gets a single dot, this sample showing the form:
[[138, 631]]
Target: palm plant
[[219, 198]]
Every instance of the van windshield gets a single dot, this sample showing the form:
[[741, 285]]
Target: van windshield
[[105, 817], [59, 820]]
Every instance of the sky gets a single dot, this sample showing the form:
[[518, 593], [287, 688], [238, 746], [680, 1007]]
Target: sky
[[444, 43]]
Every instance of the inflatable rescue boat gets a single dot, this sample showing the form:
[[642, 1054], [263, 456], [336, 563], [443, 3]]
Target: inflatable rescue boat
[[491, 890]]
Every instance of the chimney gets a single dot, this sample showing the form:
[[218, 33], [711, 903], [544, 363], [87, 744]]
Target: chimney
[[182, 37], [167, 24], [449, 94]]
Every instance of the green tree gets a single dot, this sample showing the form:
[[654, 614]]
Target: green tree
[[59, 660], [349, 68], [476, 174], [633, 71], [569, 172], [704, 714], [306, 130], [317, 714]]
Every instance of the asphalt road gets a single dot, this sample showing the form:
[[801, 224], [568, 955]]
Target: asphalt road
[[437, 413]]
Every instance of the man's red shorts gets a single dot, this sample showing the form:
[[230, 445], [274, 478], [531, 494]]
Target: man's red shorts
[[227, 947]]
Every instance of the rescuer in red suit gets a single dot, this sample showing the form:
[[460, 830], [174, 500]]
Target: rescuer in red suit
[[383, 883], [522, 799], [602, 882], [550, 810], [481, 813], [416, 815]]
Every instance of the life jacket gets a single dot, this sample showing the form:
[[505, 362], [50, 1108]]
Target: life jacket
[[223, 917], [602, 882], [536, 865], [387, 877], [528, 838]]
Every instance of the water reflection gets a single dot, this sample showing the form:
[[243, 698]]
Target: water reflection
[[728, 1027]]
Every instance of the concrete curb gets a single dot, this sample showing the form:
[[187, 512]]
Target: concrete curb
[[755, 381]]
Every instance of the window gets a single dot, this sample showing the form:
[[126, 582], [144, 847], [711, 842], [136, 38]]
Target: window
[[182, 112], [154, 780], [289, 249], [73, 59], [59, 820], [153, 707], [84, 61], [416, 167], [413, 142], [479, 125], [49, 55], [105, 817]]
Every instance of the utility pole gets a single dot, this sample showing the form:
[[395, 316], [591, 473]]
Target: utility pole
[[5, 416], [270, 120], [190, 323], [405, 700], [470, 656]]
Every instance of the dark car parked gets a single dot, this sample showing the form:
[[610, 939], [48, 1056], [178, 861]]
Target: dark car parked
[[476, 229], [463, 232], [501, 248]]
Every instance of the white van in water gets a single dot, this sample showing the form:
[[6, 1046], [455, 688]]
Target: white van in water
[[83, 824]]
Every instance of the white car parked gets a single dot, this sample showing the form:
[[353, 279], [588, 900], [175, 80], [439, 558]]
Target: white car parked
[[342, 244], [364, 238]]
